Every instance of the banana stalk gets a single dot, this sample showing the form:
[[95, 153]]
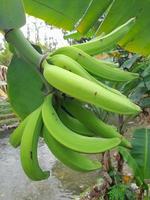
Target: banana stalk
[[23, 46]]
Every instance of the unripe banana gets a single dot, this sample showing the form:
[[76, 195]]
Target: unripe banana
[[69, 138], [15, 137], [87, 91], [71, 65], [89, 119], [70, 158], [95, 66], [107, 42], [28, 148], [73, 124]]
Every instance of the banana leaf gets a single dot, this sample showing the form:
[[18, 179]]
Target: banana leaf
[[92, 14], [63, 14], [25, 87], [138, 157], [132, 163], [145, 102], [137, 40], [66, 14], [141, 150]]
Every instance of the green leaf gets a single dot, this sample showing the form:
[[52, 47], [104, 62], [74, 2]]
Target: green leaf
[[138, 92], [25, 87], [67, 14], [145, 102], [77, 36], [11, 14], [129, 87], [131, 162], [141, 150], [73, 35], [112, 21], [137, 40], [146, 72], [92, 14], [63, 14], [129, 62]]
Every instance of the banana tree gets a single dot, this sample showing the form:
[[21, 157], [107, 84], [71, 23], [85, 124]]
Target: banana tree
[[53, 93]]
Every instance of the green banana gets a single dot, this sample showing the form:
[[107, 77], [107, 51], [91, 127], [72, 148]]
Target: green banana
[[69, 138], [95, 66], [28, 148], [65, 61], [71, 65], [107, 42], [88, 91], [15, 137], [73, 123], [89, 119], [92, 14], [70, 158]]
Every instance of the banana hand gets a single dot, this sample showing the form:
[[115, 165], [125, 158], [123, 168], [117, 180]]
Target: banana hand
[[95, 66], [89, 119], [69, 138], [88, 91], [71, 65]]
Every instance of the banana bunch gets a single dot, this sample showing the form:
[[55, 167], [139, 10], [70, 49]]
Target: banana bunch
[[69, 77], [67, 145], [69, 128]]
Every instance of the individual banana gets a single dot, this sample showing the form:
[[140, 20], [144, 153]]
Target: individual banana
[[107, 42], [15, 137], [65, 61], [73, 124], [71, 65], [89, 119], [87, 91], [70, 139], [70, 158], [28, 148], [95, 66]]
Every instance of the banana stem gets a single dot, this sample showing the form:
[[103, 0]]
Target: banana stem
[[23, 46], [44, 63]]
